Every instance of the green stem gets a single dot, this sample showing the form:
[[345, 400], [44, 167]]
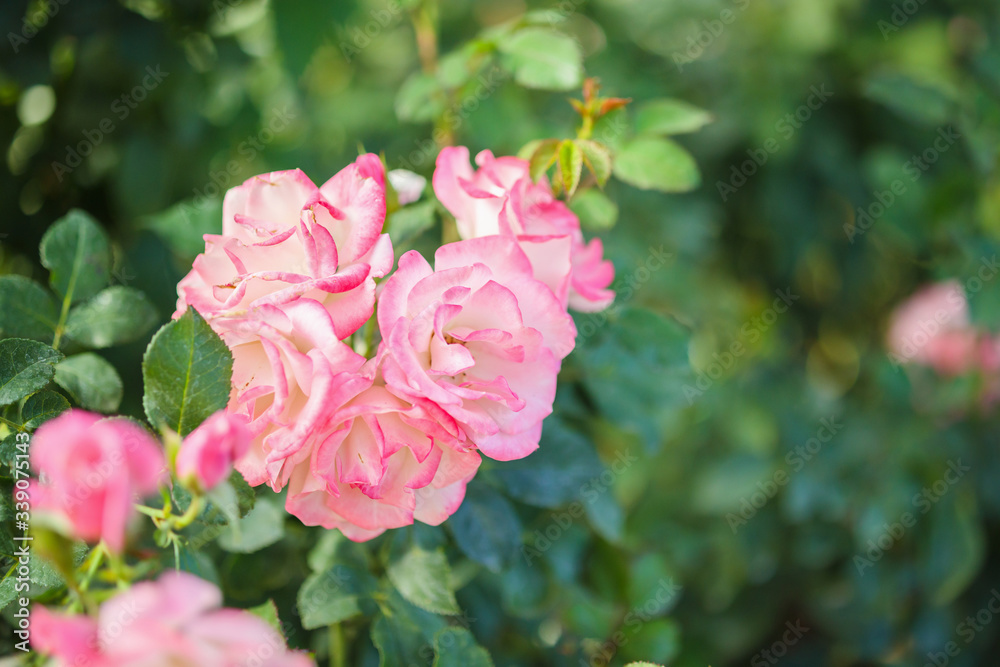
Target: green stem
[[338, 649], [11, 424], [61, 324], [193, 510]]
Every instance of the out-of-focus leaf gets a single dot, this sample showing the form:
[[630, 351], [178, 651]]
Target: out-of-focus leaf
[[422, 577], [595, 210], [90, 381], [652, 163], [670, 116], [486, 527], [542, 58], [419, 99], [597, 158], [333, 595], [456, 647], [116, 315], [405, 634], [262, 527]]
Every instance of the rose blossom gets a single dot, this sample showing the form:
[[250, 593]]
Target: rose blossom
[[207, 453], [479, 338], [172, 622], [501, 198], [91, 469], [354, 457], [932, 328], [284, 239]]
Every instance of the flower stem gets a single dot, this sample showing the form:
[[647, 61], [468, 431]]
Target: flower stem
[[338, 649]]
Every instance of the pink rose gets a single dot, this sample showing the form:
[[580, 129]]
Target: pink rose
[[207, 454], [932, 328], [382, 464], [477, 337], [91, 470], [176, 620], [500, 198], [284, 239]]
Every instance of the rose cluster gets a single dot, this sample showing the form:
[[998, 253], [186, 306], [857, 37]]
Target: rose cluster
[[468, 351]]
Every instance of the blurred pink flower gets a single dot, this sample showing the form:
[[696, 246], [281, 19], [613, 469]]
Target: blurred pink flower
[[207, 454], [478, 338], [284, 239], [932, 328], [174, 621], [91, 470], [501, 198]]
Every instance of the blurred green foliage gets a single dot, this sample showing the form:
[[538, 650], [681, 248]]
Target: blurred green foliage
[[734, 455]]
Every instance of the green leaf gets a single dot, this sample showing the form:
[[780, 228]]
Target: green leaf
[[486, 527], [542, 58], [419, 99], [651, 163], [262, 527], [76, 252], [26, 310], [333, 595], [268, 612], [116, 315], [90, 381], [643, 663], [595, 210], [422, 578], [597, 158], [543, 157], [456, 647], [409, 222], [921, 102], [184, 225], [570, 166], [669, 116], [41, 407], [404, 634], [186, 372], [556, 473], [25, 367]]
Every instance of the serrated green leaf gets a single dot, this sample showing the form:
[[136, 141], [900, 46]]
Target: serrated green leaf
[[25, 367], [76, 252], [333, 595], [570, 166], [404, 634], [116, 315], [652, 163], [268, 612], [595, 210], [486, 527], [543, 157], [186, 372], [456, 647], [262, 527], [542, 58], [669, 116], [422, 577], [597, 158], [41, 407], [90, 381], [27, 310]]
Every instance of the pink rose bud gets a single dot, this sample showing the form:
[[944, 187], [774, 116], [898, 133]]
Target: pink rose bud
[[91, 470], [208, 453], [177, 620]]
